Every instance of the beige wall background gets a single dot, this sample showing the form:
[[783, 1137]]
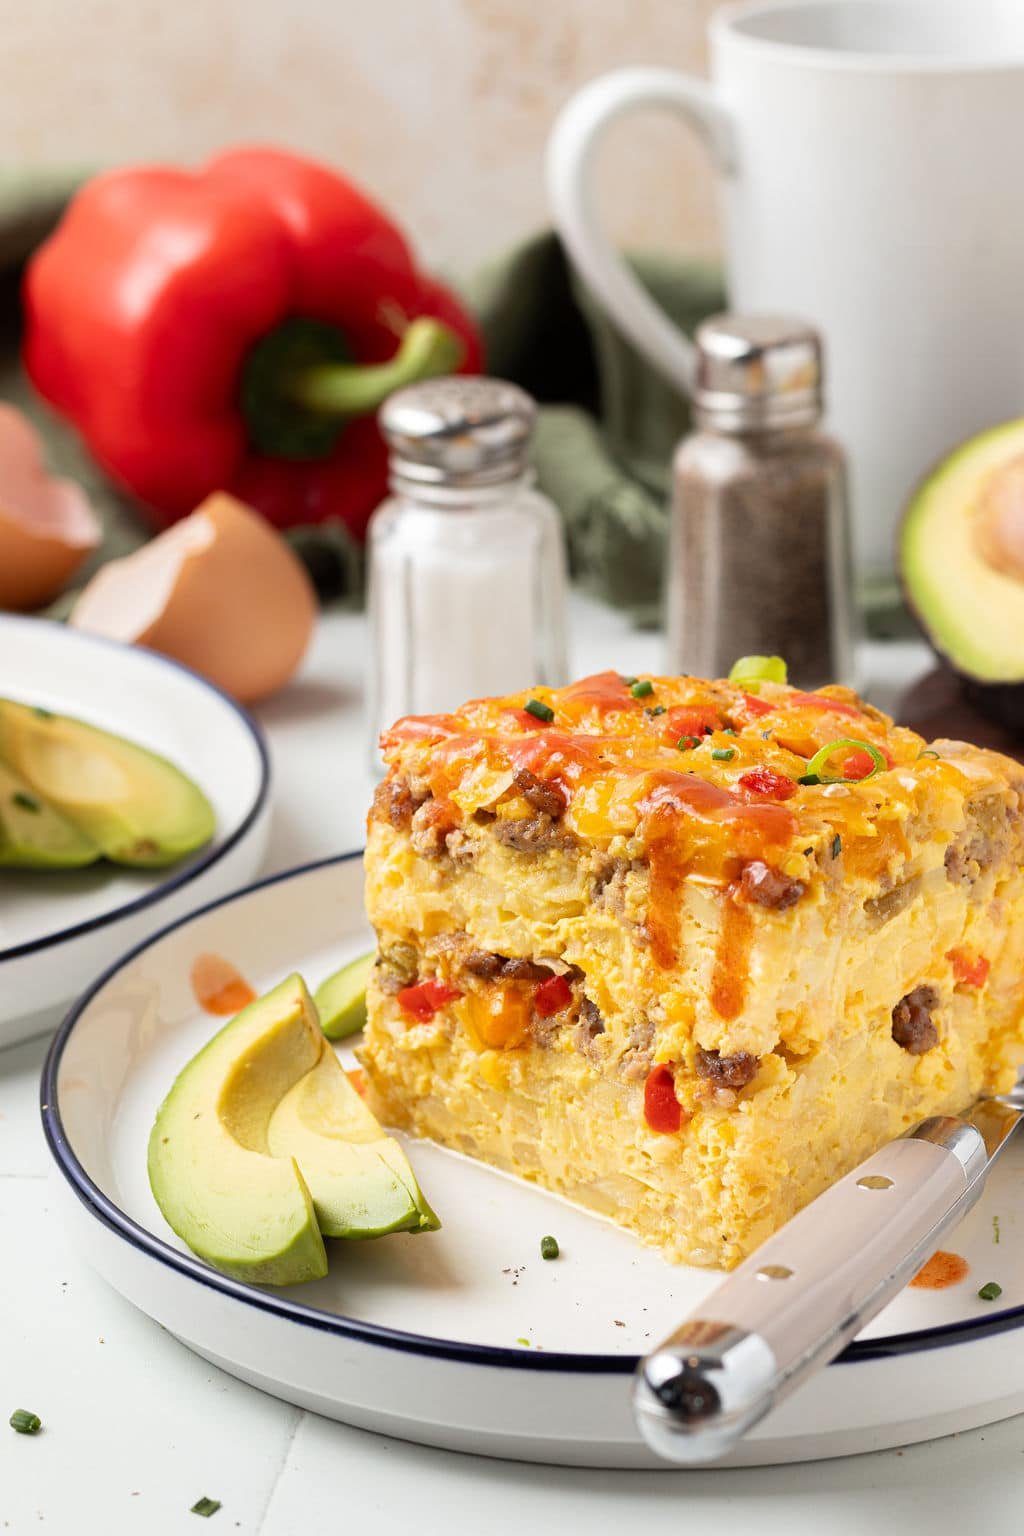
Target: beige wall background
[[440, 107]]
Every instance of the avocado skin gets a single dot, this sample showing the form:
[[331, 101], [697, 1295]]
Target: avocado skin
[[1000, 700], [154, 817]]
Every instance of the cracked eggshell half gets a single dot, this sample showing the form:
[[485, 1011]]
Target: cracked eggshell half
[[47, 527], [221, 591]]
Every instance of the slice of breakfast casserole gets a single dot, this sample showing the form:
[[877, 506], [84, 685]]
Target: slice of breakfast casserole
[[688, 951]]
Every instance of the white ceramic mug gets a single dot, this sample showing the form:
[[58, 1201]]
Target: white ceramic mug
[[870, 155]]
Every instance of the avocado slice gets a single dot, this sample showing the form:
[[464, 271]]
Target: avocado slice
[[359, 1178], [245, 1211], [962, 560], [137, 807], [35, 836], [341, 999]]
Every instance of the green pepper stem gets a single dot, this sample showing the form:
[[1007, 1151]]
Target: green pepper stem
[[428, 348]]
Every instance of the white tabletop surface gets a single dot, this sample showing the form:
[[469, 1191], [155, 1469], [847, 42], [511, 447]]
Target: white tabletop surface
[[137, 1428]]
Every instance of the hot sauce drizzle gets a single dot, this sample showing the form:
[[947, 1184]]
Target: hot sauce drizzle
[[732, 958], [218, 987]]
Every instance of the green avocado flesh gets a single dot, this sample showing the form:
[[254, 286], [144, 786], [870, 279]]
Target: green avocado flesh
[[210, 1169], [35, 836], [972, 612], [360, 1179], [262, 1148], [136, 807], [341, 999]]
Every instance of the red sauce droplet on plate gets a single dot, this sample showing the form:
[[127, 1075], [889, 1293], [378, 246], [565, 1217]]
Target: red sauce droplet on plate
[[941, 1271], [218, 986]]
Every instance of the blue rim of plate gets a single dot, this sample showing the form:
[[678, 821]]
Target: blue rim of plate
[[111, 1215], [205, 859]]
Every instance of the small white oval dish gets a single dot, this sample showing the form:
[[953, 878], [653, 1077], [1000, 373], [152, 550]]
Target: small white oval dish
[[466, 1338], [58, 930]]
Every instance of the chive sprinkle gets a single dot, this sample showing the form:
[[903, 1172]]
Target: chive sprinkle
[[205, 1507], [687, 743], [728, 731], [837, 846], [524, 1342], [43, 714], [990, 1292], [659, 709], [549, 1248], [25, 1423], [642, 688], [26, 801], [808, 778], [724, 754], [539, 710]]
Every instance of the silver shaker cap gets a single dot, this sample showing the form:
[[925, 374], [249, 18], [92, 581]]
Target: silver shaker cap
[[465, 430], [757, 372]]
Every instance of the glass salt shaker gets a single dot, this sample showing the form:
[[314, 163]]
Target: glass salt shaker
[[759, 559], [466, 560]]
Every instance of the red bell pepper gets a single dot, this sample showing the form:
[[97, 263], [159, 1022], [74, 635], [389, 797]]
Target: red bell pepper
[[235, 328]]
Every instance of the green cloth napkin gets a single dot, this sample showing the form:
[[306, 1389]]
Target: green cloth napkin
[[607, 423]]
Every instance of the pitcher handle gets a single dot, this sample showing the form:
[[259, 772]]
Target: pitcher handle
[[570, 159]]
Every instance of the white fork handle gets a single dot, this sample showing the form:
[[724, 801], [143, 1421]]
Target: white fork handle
[[804, 1294]]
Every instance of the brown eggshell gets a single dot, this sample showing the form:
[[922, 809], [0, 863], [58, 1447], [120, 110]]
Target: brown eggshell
[[47, 527], [220, 591]]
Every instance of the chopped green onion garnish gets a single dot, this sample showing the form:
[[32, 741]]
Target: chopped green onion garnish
[[642, 688], [549, 1248], [926, 753], [728, 731], [687, 743], [26, 801], [43, 714], [24, 1422], [759, 669], [524, 1342], [837, 846], [539, 711], [817, 768], [991, 1291], [724, 754], [205, 1507], [659, 709]]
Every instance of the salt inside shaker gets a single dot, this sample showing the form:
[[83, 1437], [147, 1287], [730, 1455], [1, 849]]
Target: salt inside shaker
[[758, 552], [466, 559]]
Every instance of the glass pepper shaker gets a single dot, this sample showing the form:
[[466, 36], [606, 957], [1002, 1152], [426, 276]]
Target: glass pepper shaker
[[759, 558], [466, 560]]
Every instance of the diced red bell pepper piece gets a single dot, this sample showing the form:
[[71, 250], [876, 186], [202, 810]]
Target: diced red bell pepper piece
[[832, 706], [552, 996], [859, 764], [424, 999], [767, 784], [662, 1109], [686, 721], [969, 970], [756, 706]]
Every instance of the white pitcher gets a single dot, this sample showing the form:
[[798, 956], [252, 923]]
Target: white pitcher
[[871, 163]]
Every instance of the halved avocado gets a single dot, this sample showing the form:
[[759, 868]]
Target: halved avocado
[[35, 836], [137, 807], [962, 559]]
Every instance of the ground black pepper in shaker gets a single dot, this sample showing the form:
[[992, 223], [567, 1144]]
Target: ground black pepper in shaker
[[759, 556]]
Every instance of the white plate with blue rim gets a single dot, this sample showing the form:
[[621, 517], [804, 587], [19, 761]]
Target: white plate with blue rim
[[466, 1338], [59, 930]]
